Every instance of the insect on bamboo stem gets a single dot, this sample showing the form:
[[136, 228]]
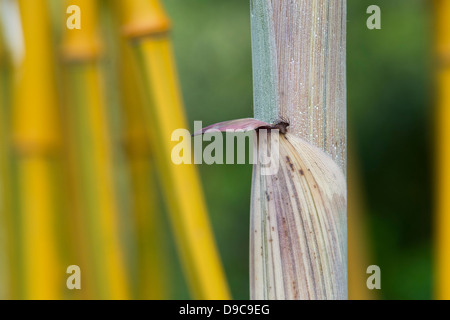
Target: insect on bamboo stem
[[298, 237]]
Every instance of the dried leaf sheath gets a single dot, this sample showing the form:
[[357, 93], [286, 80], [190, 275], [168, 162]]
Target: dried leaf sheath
[[298, 226]]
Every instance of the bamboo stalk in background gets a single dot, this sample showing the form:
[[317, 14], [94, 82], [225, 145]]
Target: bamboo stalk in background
[[36, 139], [359, 253], [146, 26], [8, 262], [92, 151], [152, 275], [152, 272], [299, 77], [442, 47]]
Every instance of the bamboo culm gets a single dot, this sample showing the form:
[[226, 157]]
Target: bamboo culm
[[298, 50]]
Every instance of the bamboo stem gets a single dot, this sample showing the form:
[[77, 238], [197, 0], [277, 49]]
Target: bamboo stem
[[36, 138], [299, 70], [152, 274], [299, 76], [93, 157], [442, 12], [146, 26]]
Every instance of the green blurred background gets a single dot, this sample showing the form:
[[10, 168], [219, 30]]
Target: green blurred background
[[389, 126]]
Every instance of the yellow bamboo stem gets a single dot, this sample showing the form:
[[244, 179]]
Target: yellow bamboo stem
[[91, 140], [442, 12], [146, 24], [152, 271], [36, 138], [84, 44]]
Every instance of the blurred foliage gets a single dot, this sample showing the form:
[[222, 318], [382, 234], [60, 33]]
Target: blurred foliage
[[389, 105]]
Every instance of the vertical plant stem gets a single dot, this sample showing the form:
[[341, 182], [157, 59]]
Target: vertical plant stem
[[152, 260], [90, 137], [359, 253], [8, 248], [36, 138], [299, 76], [442, 20], [146, 26], [152, 277], [299, 69]]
